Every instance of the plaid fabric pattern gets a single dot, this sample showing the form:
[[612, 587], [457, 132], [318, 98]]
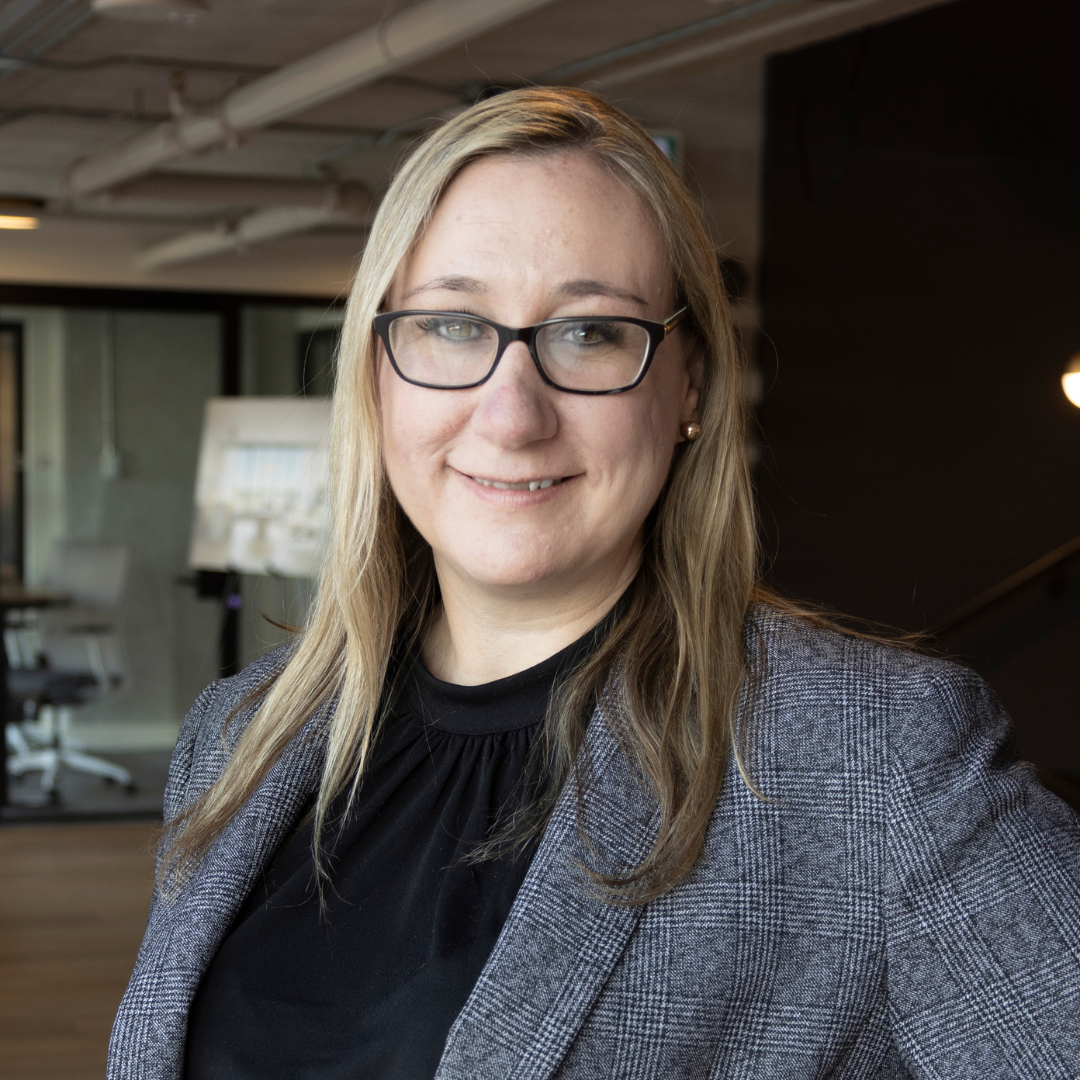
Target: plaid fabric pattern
[[905, 902]]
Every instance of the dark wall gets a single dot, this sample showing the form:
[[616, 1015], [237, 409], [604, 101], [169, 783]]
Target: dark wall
[[921, 296]]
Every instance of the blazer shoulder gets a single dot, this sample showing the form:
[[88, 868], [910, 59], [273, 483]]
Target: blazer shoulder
[[258, 675], [826, 700], [213, 726], [790, 654]]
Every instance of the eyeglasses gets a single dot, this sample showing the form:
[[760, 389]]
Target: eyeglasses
[[447, 350]]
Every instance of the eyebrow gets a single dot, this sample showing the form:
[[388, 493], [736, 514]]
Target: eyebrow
[[580, 287], [591, 287], [451, 283]]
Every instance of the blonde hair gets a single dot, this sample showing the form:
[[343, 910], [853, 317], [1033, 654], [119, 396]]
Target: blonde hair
[[676, 637]]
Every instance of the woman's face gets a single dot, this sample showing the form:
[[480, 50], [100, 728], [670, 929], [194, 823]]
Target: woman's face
[[518, 241]]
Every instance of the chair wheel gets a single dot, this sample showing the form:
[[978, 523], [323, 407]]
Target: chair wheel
[[131, 788]]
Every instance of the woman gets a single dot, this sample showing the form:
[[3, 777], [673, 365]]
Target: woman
[[540, 791]]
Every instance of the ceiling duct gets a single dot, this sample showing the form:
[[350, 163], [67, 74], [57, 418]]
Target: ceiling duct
[[184, 11], [245, 191], [253, 229], [793, 26], [412, 35], [774, 25]]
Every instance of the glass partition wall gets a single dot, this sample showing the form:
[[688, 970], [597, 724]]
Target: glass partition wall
[[101, 411], [11, 457], [285, 352]]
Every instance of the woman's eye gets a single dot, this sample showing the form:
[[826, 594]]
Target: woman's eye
[[450, 329], [457, 330], [585, 334]]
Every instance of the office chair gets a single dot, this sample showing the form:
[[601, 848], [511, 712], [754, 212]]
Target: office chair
[[64, 659]]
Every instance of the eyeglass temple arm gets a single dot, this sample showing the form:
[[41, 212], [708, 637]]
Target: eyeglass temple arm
[[675, 319]]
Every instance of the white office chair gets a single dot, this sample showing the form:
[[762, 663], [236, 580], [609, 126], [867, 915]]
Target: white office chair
[[65, 658]]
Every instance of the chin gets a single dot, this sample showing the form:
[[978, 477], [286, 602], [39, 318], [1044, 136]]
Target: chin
[[512, 577], [514, 569]]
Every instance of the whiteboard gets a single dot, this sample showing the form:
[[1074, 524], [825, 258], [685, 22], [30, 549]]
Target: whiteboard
[[261, 493]]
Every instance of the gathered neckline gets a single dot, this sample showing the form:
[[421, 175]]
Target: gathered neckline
[[508, 704]]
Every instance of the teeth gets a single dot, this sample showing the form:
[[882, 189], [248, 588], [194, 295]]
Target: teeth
[[525, 485]]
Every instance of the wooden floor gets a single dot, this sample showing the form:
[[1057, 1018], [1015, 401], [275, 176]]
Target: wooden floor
[[73, 905]]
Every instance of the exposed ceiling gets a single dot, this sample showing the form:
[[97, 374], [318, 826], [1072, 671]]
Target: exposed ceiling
[[86, 93]]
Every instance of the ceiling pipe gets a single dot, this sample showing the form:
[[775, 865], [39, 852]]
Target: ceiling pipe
[[13, 13], [736, 13], [793, 23], [813, 20], [252, 229], [418, 32], [244, 191], [416, 126]]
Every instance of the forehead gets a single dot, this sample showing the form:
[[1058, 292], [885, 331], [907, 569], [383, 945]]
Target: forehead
[[536, 220]]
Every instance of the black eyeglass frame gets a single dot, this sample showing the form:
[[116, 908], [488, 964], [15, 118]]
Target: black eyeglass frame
[[508, 334]]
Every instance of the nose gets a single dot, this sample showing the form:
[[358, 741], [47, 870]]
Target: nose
[[515, 406]]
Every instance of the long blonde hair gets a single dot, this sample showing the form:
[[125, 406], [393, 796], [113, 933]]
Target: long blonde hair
[[675, 639]]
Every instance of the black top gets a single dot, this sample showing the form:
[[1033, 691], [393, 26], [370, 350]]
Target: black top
[[371, 986]]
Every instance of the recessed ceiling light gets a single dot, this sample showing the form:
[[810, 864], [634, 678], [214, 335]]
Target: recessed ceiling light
[[152, 10], [19, 212]]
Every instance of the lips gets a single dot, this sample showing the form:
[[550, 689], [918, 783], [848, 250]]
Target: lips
[[522, 485]]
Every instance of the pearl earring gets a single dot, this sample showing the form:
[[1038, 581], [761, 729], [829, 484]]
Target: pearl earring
[[691, 431]]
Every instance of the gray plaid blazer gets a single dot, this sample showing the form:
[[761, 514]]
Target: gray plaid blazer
[[906, 903]]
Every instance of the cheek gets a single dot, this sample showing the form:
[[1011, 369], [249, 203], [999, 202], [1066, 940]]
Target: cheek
[[633, 436], [630, 442], [418, 426]]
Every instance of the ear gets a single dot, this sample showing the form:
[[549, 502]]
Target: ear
[[695, 369]]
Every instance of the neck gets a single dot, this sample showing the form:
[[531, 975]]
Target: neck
[[481, 635]]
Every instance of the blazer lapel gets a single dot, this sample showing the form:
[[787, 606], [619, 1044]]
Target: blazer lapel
[[184, 933], [560, 941]]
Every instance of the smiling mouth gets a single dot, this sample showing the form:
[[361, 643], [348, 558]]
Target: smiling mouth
[[524, 485]]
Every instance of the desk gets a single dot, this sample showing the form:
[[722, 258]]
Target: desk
[[14, 596]]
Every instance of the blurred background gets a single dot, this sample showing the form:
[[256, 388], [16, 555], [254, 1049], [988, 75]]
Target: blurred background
[[185, 188]]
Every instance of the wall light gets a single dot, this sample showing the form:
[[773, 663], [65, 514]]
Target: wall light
[[11, 221], [1070, 381]]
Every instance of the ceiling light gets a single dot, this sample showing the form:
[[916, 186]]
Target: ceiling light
[[1070, 381], [152, 10], [19, 212]]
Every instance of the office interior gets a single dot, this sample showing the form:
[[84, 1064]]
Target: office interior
[[891, 186]]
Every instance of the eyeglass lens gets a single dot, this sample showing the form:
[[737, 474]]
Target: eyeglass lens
[[453, 350]]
